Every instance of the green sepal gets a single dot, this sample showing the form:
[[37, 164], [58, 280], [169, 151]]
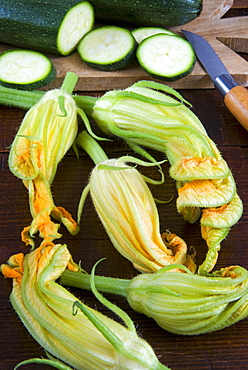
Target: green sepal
[[54, 363]]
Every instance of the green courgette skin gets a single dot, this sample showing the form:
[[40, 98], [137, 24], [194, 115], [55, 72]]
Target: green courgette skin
[[32, 86], [162, 13], [32, 24], [158, 13]]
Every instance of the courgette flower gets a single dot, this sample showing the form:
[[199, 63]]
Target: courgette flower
[[65, 327], [181, 303], [145, 117], [128, 212], [46, 133]]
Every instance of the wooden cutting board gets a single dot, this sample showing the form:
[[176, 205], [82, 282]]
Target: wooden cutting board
[[227, 36]]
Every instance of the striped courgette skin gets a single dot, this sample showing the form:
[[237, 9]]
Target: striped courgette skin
[[34, 24], [162, 13]]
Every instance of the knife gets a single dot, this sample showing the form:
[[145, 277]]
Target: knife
[[235, 96]]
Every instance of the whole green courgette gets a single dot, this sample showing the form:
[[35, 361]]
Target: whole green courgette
[[163, 13], [47, 26]]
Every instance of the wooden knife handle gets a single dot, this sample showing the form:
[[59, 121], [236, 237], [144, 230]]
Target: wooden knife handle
[[236, 100]]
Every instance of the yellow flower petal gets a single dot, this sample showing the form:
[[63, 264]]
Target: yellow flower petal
[[224, 216], [206, 193], [44, 137], [192, 168]]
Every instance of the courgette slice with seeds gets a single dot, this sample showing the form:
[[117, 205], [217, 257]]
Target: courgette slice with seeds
[[44, 25], [166, 57], [142, 33], [25, 69], [107, 48]]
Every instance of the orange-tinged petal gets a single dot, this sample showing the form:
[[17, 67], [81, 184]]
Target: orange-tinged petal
[[14, 268], [206, 193], [61, 214], [224, 216], [42, 198], [42, 208], [231, 271], [192, 168], [179, 250], [41, 205]]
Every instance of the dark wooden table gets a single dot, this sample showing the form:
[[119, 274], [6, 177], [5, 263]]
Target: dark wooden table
[[225, 349]]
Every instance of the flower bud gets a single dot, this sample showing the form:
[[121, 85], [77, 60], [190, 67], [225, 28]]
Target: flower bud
[[126, 207], [189, 304]]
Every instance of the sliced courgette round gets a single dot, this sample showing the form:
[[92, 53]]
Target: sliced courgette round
[[77, 22], [142, 33], [25, 69], [107, 48], [166, 57]]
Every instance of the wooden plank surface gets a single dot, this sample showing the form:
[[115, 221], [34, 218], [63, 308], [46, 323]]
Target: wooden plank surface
[[227, 35], [221, 350]]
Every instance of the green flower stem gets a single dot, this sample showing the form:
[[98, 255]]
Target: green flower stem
[[181, 303], [102, 283], [86, 103], [91, 146], [69, 82], [19, 98], [26, 99]]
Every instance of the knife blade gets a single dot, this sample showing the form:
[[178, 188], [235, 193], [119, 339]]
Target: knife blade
[[235, 96]]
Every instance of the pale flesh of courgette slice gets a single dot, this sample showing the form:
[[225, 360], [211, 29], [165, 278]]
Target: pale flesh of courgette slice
[[107, 48], [166, 57], [25, 69], [77, 22], [142, 33]]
